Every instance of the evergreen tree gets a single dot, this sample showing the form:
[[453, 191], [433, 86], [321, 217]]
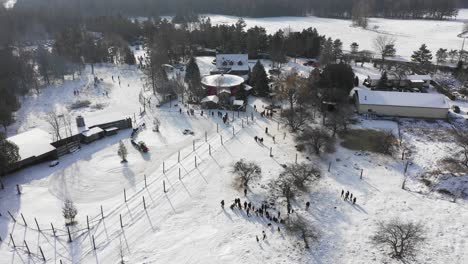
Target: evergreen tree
[[354, 48], [422, 56], [259, 80], [383, 81], [193, 79], [9, 153], [441, 55], [129, 56], [326, 55], [122, 151], [69, 212], [337, 49]]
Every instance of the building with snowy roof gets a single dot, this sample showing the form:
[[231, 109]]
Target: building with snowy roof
[[411, 81], [236, 64], [34, 146], [418, 105]]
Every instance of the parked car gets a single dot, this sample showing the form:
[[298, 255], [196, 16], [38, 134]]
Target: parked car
[[456, 109], [54, 163], [143, 146]]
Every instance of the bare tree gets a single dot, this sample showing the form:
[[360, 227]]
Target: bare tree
[[53, 119], [385, 46], [298, 226], [462, 139], [293, 89], [122, 151], [301, 174], [282, 187], [340, 119], [69, 212], [401, 238], [318, 139], [247, 171], [388, 143]]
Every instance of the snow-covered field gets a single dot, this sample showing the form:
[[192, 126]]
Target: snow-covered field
[[409, 34], [187, 224]]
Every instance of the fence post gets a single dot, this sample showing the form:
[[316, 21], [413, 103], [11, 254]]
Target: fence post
[[14, 220], [125, 195], [144, 203], [24, 220], [42, 253], [221, 140], [217, 128], [102, 213], [164, 186], [146, 186], [233, 132], [271, 150], [209, 149], [53, 229], [251, 114], [37, 224], [121, 223], [329, 166], [69, 235], [18, 189], [296, 158], [179, 174], [195, 161], [362, 170], [242, 121], [178, 157], [278, 126], [12, 241], [27, 248], [194, 145], [206, 136], [87, 222], [164, 167], [94, 243]]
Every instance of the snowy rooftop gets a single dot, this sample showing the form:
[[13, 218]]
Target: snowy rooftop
[[92, 131], [211, 98], [33, 143], [402, 99], [222, 80], [235, 62], [413, 77]]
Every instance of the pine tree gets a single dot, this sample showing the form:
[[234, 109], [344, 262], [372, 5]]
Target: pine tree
[[441, 55], [193, 79], [422, 55], [129, 56], [354, 48], [259, 80], [122, 151], [337, 49], [383, 81], [9, 153]]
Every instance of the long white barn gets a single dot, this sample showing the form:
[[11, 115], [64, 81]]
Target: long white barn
[[419, 105]]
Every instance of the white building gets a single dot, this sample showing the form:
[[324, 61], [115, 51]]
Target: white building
[[418, 105], [237, 64]]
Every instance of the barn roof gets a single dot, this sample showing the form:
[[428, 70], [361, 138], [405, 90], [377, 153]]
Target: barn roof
[[33, 143], [423, 100]]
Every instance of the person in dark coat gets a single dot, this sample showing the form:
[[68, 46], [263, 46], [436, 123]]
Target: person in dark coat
[[346, 195], [245, 205], [264, 235], [256, 138], [279, 213], [351, 197], [342, 193], [245, 192], [307, 205], [222, 204], [354, 200], [257, 239], [266, 130]]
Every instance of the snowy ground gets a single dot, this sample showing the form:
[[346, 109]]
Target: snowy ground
[[409, 34], [186, 224]]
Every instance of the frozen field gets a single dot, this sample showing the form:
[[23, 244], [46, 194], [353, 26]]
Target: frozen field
[[409, 34]]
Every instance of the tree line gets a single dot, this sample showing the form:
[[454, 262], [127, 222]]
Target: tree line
[[414, 9]]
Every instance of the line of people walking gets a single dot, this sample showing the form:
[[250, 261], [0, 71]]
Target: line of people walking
[[348, 196]]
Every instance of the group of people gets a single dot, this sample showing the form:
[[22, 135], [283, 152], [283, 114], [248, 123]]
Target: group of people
[[347, 196], [76, 92], [267, 113], [258, 139]]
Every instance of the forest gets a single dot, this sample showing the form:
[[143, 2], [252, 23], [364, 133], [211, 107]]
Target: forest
[[414, 9]]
